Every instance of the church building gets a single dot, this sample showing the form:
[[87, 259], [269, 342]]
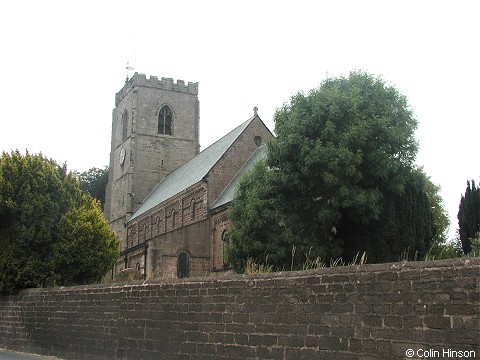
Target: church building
[[166, 200]]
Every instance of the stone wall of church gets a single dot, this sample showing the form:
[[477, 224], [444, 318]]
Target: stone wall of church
[[158, 256], [148, 155], [220, 227], [167, 227], [235, 157], [193, 239], [180, 224], [181, 210], [156, 155]]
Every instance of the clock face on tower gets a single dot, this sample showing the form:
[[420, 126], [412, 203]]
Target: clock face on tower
[[122, 156]]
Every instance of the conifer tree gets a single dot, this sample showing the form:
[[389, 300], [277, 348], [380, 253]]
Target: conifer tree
[[51, 232], [469, 216]]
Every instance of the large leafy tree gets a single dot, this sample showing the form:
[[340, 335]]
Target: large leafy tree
[[94, 181], [340, 179], [440, 216], [469, 216], [51, 232], [259, 229]]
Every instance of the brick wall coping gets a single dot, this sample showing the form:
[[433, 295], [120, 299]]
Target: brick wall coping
[[398, 267], [378, 311]]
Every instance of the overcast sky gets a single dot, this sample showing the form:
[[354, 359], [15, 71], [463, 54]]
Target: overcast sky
[[63, 61]]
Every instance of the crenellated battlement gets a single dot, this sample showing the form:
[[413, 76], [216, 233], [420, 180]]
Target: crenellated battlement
[[153, 82]]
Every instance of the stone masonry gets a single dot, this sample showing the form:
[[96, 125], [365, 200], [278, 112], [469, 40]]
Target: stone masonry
[[148, 155], [174, 236], [366, 312], [184, 223]]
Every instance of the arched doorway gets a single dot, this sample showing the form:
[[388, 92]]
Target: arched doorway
[[182, 264]]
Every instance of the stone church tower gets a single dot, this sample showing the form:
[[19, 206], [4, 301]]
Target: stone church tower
[[155, 129]]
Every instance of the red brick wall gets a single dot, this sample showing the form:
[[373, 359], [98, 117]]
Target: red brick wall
[[352, 313]]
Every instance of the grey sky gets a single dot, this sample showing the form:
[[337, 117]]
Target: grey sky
[[62, 63]]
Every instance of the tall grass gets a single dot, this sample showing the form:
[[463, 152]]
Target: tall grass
[[253, 267]]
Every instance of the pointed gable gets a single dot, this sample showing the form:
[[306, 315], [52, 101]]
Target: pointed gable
[[228, 194], [192, 171]]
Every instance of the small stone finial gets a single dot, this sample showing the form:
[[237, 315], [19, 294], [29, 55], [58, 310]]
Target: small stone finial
[[255, 111]]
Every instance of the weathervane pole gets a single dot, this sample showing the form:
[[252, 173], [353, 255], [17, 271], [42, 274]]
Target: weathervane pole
[[128, 67]]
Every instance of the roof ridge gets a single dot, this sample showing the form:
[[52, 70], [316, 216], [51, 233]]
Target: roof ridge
[[245, 123], [202, 167]]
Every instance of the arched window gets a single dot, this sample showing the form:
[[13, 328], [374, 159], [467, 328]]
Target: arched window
[[225, 235], [165, 120], [124, 125], [192, 210], [226, 263], [182, 264], [172, 214]]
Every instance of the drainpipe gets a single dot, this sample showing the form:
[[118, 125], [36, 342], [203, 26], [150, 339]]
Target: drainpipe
[[126, 244]]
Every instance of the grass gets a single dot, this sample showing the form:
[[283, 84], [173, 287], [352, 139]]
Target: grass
[[253, 267]]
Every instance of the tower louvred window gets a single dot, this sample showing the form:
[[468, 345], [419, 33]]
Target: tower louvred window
[[165, 120]]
